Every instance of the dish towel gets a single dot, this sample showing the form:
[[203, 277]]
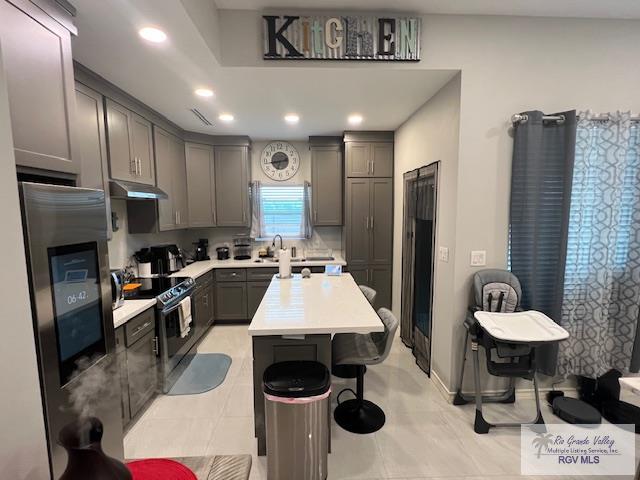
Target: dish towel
[[185, 317]]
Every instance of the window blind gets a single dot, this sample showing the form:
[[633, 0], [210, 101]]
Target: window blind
[[282, 209]]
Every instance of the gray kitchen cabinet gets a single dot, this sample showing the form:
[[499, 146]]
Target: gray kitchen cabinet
[[171, 175], [231, 301], [369, 225], [358, 198], [142, 148], [142, 364], [326, 184], [255, 293], [231, 167], [203, 309], [382, 159], [130, 143], [369, 154], [36, 51], [201, 185], [380, 281], [92, 145], [358, 159], [360, 274], [381, 221]]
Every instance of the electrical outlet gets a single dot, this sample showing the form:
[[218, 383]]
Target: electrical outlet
[[443, 254], [478, 258]]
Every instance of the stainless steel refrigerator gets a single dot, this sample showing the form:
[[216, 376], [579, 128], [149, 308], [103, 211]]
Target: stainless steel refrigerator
[[66, 243]]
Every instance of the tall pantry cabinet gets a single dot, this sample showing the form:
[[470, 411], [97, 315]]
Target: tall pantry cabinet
[[368, 232]]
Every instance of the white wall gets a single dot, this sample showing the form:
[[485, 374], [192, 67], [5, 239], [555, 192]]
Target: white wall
[[508, 64], [23, 448], [431, 134]]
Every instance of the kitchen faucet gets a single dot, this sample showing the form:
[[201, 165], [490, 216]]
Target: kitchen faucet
[[273, 244]]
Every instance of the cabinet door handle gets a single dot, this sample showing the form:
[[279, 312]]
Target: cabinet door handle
[[175, 217], [156, 350], [372, 222], [139, 167]]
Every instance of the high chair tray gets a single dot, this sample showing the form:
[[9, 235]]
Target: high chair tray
[[521, 327]]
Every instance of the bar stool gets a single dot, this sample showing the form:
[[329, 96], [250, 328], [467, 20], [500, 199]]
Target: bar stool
[[351, 371], [359, 415]]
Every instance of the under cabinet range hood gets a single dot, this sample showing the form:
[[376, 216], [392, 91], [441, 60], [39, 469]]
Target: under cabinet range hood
[[135, 191]]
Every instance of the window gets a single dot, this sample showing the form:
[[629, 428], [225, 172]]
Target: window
[[282, 210]]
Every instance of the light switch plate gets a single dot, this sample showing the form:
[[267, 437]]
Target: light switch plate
[[443, 254], [478, 258]]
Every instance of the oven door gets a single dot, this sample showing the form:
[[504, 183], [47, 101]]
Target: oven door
[[173, 347]]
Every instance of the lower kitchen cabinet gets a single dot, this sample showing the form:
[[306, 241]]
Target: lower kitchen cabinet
[[137, 363], [142, 364], [231, 301], [377, 277], [203, 305], [255, 293]]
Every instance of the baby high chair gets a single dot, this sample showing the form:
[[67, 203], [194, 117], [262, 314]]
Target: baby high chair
[[509, 337]]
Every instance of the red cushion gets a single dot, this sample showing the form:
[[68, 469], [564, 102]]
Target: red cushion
[[159, 469]]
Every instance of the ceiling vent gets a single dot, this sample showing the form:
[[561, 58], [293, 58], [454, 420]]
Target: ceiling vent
[[201, 117]]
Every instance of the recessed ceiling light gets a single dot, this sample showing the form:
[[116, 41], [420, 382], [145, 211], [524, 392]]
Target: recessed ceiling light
[[204, 92], [291, 118], [226, 117], [152, 34], [355, 119]]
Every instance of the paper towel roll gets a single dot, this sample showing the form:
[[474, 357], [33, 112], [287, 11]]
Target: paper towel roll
[[285, 263]]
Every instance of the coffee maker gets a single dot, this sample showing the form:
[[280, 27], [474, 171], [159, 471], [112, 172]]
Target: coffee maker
[[202, 246], [166, 259]]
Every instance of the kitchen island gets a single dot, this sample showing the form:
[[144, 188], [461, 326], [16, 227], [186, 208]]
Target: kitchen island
[[295, 321]]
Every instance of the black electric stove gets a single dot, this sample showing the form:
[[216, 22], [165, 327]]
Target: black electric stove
[[168, 290]]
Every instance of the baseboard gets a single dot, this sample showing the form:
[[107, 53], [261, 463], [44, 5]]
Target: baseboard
[[526, 393]]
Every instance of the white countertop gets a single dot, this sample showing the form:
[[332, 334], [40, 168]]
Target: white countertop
[[198, 269], [130, 309], [630, 383], [316, 305]]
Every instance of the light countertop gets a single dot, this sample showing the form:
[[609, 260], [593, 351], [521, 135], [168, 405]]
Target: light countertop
[[198, 269], [631, 384], [130, 309], [316, 305]]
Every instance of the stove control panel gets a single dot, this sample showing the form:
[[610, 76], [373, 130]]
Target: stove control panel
[[178, 292]]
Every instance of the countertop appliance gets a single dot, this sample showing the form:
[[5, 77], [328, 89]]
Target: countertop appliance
[[170, 347], [166, 259], [117, 288], [65, 231], [241, 247], [223, 253], [202, 247]]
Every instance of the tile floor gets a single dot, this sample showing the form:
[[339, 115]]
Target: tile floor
[[424, 438]]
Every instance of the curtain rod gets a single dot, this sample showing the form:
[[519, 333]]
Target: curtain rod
[[523, 117]]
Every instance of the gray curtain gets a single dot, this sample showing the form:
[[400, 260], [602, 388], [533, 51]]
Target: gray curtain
[[307, 224], [602, 276], [256, 211], [541, 176]]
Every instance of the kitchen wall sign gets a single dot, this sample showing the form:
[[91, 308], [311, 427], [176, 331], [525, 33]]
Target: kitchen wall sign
[[336, 37], [280, 161]]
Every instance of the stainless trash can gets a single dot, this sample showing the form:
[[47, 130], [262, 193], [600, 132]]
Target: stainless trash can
[[297, 420]]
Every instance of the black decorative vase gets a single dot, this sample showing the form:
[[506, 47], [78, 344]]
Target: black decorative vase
[[82, 440]]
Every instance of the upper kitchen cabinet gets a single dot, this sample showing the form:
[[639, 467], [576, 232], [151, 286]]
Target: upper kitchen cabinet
[[130, 142], [92, 144], [172, 179], [326, 180], [200, 185], [231, 166], [369, 154], [39, 69]]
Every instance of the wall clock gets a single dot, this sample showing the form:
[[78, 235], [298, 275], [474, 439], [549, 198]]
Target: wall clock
[[280, 161]]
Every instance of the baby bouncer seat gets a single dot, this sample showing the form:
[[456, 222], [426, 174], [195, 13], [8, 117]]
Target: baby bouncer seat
[[510, 338]]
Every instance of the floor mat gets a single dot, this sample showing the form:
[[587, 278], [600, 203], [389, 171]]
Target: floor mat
[[205, 372]]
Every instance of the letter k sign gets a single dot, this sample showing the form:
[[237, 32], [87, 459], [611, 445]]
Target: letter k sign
[[274, 36]]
